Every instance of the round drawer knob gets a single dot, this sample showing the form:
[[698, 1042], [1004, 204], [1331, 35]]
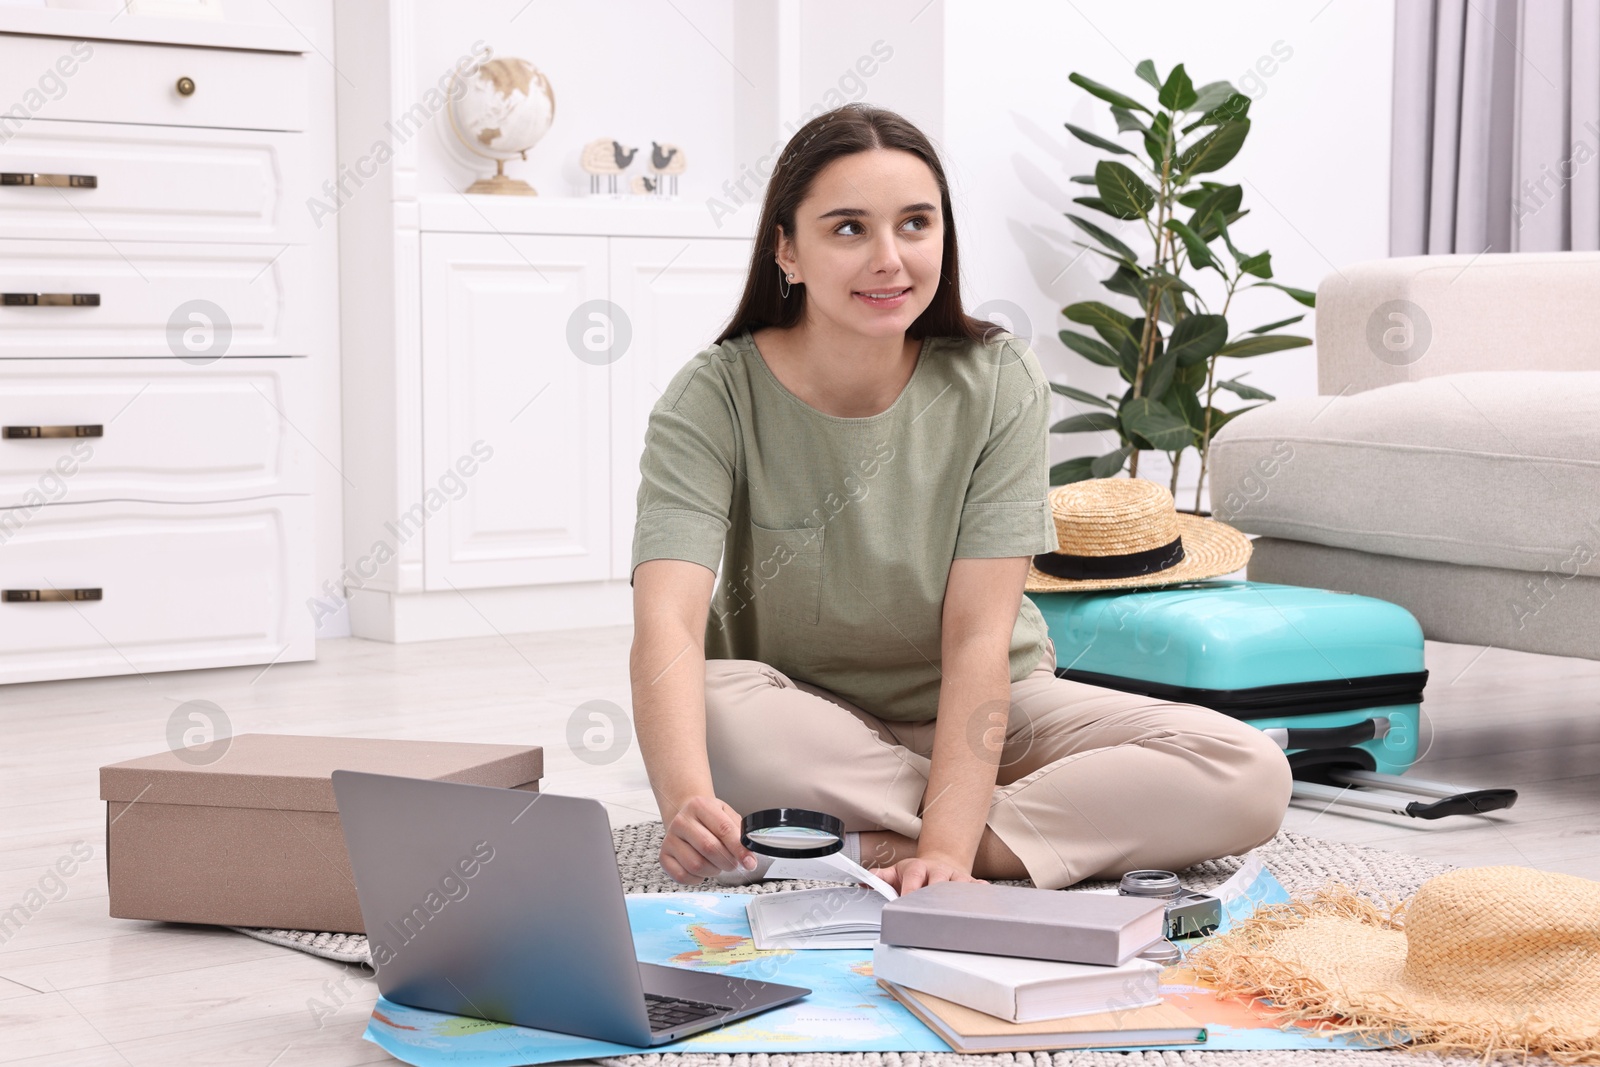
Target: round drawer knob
[[185, 86]]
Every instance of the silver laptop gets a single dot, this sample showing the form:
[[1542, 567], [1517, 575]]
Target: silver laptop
[[508, 905]]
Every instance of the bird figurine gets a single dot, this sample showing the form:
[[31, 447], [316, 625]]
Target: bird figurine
[[667, 161], [605, 158]]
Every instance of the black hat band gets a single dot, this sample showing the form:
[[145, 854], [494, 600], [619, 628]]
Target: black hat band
[[1123, 565]]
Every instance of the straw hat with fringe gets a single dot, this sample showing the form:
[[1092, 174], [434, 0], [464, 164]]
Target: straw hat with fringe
[[1126, 533], [1483, 959]]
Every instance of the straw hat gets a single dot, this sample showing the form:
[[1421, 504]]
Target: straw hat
[[1125, 533], [1487, 959]]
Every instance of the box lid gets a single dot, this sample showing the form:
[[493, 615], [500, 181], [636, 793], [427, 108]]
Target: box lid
[[293, 772]]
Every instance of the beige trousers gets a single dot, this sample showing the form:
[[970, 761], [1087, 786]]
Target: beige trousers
[[1092, 782]]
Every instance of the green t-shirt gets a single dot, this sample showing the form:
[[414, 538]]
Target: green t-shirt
[[835, 534]]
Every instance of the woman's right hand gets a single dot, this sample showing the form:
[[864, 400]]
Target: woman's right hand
[[702, 841]]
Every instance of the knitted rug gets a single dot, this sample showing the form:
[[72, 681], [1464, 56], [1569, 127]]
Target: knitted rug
[[1300, 862]]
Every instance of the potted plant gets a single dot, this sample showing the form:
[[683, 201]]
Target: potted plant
[[1167, 354]]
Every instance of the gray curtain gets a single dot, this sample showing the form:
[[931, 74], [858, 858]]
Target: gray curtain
[[1496, 141]]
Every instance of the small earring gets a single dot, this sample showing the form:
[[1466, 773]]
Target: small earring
[[783, 290]]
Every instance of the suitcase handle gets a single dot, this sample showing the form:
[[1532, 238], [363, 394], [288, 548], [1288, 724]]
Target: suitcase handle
[[1307, 737]]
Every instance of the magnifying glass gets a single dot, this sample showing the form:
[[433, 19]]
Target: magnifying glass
[[805, 844]]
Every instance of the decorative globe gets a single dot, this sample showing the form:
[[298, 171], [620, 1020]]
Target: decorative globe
[[500, 109]]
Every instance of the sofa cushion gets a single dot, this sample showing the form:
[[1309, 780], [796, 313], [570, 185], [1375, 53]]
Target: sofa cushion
[[1487, 468]]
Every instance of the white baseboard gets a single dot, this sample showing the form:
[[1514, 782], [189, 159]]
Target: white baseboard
[[400, 618]]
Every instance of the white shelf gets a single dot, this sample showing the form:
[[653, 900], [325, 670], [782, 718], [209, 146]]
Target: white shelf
[[639, 216]]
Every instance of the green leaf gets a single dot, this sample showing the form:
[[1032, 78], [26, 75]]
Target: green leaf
[[1071, 470], [1158, 378], [1236, 106], [1110, 463], [1168, 280], [1199, 255], [1096, 203], [1095, 139], [1210, 96], [1194, 197], [1193, 376], [1118, 260], [1126, 121], [1173, 307], [1123, 251], [1198, 337], [1222, 225], [1079, 395], [1126, 281], [1087, 422], [1245, 392], [1213, 151], [1177, 94], [1186, 402], [1147, 70], [1155, 141], [1128, 357], [1090, 349], [1219, 419], [1275, 325], [1106, 93], [1308, 299], [1107, 321], [1260, 346], [1153, 422], [1125, 193], [1259, 264], [1225, 199], [1082, 179]]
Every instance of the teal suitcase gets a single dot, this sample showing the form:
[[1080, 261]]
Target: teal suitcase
[[1334, 678]]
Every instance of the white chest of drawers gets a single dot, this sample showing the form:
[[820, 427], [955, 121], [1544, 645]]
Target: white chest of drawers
[[155, 337]]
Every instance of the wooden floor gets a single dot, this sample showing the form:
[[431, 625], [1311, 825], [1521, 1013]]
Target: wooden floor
[[78, 987]]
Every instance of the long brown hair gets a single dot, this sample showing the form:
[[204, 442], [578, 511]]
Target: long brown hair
[[855, 127]]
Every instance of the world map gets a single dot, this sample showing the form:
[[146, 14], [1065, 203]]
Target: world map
[[846, 1011]]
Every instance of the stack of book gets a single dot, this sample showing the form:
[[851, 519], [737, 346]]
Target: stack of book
[[995, 968]]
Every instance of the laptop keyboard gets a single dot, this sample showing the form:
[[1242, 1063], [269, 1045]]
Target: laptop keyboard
[[667, 1012]]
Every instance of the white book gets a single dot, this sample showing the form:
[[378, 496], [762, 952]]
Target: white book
[[844, 916], [1016, 988]]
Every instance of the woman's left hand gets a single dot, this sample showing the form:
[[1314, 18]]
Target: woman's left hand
[[914, 872]]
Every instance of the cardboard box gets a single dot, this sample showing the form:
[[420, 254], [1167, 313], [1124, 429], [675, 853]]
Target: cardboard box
[[251, 837]]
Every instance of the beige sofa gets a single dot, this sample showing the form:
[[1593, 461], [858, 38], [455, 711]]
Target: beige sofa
[[1451, 461]]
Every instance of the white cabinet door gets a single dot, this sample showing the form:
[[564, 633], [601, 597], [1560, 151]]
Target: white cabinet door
[[677, 294], [516, 426]]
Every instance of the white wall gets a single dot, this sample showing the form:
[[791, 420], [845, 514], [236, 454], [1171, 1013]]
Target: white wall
[[1315, 168]]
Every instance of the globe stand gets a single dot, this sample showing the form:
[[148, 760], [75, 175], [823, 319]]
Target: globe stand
[[501, 184]]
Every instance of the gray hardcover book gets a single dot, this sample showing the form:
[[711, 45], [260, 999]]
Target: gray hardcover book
[[1011, 920]]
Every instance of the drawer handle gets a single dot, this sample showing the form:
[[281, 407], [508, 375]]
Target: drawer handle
[[52, 181], [93, 429], [29, 300], [186, 86], [35, 596]]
